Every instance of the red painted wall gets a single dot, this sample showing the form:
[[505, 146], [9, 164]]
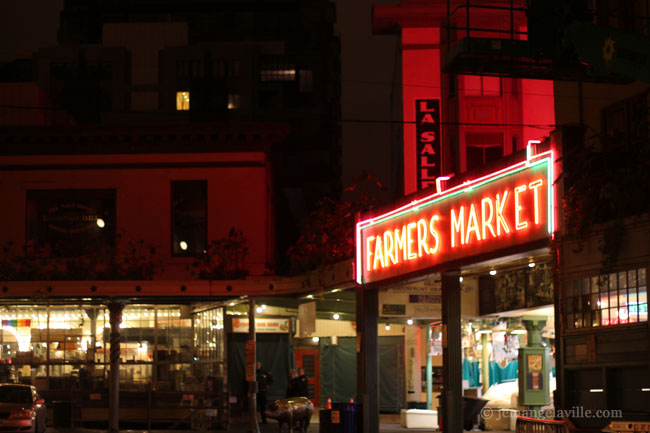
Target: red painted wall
[[237, 197]]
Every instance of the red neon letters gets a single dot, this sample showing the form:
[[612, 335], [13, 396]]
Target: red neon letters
[[507, 209]]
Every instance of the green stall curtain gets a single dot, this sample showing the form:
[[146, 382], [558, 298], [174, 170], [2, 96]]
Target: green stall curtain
[[276, 356]]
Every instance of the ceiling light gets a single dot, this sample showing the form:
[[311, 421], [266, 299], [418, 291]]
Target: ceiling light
[[493, 272], [263, 306], [531, 264], [460, 279], [183, 245], [101, 223], [315, 339], [258, 309], [336, 316], [409, 322], [387, 327], [310, 296]]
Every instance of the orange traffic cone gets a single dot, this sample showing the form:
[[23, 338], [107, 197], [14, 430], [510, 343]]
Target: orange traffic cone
[[329, 403]]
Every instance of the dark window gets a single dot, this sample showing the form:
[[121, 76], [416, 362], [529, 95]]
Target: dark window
[[627, 120], [306, 82], [482, 148], [189, 217], [71, 222], [183, 69]]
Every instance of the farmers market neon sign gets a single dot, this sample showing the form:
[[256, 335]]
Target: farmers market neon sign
[[510, 207]]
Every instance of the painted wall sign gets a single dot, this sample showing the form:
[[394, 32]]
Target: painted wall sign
[[427, 131], [506, 208], [262, 325]]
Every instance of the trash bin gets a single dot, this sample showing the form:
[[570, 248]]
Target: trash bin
[[346, 417], [62, 413], [471, 408], [325, 421]]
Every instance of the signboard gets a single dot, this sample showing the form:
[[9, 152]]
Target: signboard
[[427, 131], [414, 299], [510, 207], [262, 325]]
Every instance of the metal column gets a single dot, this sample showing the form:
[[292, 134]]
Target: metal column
[[367, 358], [115, 311], [452, 397]]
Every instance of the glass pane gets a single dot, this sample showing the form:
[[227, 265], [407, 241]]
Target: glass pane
[[631, 278], [605, 317], [569, 305], [604, 301], [612, 281], [594, 284], [622, 283], [602, 283], [643, 304], [595, 304], [585, 286], [596, 318], [641, 277], [613, 298]]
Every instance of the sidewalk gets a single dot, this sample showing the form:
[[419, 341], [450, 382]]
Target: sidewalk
[[388, 423]]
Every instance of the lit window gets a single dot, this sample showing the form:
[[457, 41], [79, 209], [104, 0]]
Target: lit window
[[182, 101], [233, 101], [273, 70], [614, 299]]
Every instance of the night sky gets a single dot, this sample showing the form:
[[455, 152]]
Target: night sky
[[369, 67]]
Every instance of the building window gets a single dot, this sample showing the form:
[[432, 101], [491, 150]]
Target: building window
[[482, 148], [306, 81], [233, 68], [189, 217], [233, 101], [70, 223], [183, 69], [627, 120], [277, 71], [614, 299], [183, 100], [479, 85]]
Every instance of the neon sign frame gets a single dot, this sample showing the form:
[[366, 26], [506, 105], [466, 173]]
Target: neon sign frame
[[531, 161]]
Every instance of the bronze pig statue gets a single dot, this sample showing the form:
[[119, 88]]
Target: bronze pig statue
[[295, 411]]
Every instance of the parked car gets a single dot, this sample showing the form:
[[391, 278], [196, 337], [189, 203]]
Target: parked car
[[21, 409]]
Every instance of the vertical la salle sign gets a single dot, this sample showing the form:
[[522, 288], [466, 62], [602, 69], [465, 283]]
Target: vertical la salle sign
[[427, 131], [510, 207]]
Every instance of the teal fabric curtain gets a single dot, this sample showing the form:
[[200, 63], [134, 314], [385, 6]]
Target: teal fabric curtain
[[471, 373], [498, 374]]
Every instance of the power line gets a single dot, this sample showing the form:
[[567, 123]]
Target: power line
[[372, 121]]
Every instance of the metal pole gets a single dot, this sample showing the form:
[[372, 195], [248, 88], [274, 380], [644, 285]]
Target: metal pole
[[252, 381], [485, 366], [452, 392], [429, 370], [115, 311]]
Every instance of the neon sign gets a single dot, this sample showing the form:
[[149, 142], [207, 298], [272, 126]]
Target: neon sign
[[510, 207]]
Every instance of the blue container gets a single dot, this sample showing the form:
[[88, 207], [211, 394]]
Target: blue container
[[347, 417]]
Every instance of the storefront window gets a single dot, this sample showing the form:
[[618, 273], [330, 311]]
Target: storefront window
[[613, 299], [67, 347]]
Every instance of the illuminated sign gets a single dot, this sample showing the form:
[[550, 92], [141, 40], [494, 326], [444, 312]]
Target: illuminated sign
[[427, 130], [510, 207]]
